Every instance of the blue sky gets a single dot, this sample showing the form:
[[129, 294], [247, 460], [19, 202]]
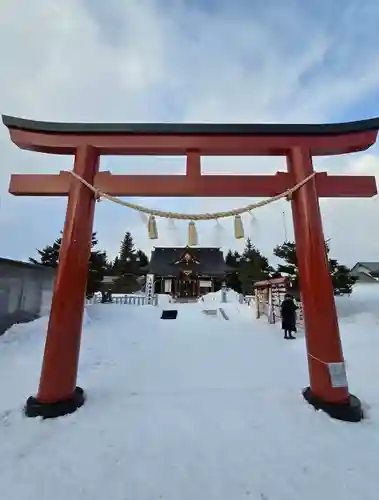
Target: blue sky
[[188, 60]]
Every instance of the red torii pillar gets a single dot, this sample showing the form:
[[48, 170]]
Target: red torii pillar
[[57, 394]]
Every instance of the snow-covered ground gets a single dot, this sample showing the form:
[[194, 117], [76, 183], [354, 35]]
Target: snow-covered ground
[[198, 408]]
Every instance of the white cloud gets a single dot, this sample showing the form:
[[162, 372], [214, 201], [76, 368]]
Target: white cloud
[[142, 61]]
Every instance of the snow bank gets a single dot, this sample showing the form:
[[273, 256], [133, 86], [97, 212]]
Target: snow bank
[[187, 409], [164, 299], [86, 317], [363, 300]]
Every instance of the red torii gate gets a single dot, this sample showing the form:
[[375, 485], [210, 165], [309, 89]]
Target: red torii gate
[[57, 394]]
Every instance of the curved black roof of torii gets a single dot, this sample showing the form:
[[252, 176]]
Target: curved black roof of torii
[[13, 122]]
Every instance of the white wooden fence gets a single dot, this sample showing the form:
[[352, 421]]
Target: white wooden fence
[[249, 299], [133, 300]]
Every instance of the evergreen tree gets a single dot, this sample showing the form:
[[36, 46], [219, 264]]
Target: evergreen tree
[[127, 249], [142, 259], [98, 267], [287, 252], [229, 258], [49, 255], [341, 279], [126, 268], [115, 265], [97, 264], [232, 259], [254, 267], [233, 281]]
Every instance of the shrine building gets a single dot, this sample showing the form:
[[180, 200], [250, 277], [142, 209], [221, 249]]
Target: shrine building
[[186, 271]]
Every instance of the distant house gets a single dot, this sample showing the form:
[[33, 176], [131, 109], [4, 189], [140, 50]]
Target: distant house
[[366, 272]]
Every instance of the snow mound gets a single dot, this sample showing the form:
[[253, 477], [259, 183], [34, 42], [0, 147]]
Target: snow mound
[[215, 297], [164, 299]]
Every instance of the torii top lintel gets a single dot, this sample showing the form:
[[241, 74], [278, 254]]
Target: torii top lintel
[[180, 138]]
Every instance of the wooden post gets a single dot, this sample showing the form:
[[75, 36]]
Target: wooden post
[[57, 393], [321, 323], [257, 308], [269, 303]]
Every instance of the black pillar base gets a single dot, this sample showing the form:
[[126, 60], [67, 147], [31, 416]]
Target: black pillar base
[[351, 411], [35, 408]]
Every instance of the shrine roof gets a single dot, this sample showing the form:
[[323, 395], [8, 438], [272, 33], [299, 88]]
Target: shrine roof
[[265, 129], [165, 261]]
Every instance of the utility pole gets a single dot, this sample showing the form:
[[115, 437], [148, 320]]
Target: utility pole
[[285, 226]]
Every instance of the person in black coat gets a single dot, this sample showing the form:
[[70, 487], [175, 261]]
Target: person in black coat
[[288, 313]]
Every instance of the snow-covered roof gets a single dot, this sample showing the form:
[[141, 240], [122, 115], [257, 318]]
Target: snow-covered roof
[[371, 266]]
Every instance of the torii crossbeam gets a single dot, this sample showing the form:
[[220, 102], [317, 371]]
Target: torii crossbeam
[[57, 394]]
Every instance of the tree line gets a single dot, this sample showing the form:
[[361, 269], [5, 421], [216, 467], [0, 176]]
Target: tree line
[[252, 266], [125, 268]]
